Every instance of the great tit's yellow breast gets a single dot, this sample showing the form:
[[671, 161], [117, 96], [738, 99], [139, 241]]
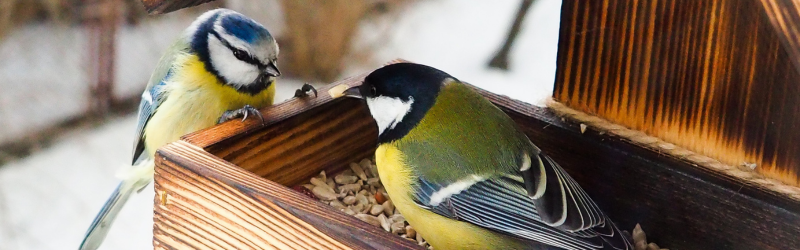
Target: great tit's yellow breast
[[439, 231], [196, 99]]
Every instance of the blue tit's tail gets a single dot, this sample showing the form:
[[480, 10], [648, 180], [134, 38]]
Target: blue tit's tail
[[134, 179]]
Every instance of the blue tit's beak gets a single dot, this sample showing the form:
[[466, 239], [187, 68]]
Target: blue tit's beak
[[272, 70], [354, 92]]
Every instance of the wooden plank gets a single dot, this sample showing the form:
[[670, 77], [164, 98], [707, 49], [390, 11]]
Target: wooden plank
[[679, 205], [716, 77], [784, 15], [212, 204], [292, 151], [302, 137], [272, 114]]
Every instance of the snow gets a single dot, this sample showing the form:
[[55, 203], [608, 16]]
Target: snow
[[47, 200], [460, 37]]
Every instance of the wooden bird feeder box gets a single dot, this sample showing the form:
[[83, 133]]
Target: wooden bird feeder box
[[227, 187]]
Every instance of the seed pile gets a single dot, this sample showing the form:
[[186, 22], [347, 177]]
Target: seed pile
[[358, 191], [640, 240]]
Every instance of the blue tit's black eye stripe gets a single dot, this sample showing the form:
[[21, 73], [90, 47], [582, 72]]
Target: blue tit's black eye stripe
[[240, 54]]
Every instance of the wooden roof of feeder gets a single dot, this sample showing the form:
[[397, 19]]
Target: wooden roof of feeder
[[720, 79], [716, 73]]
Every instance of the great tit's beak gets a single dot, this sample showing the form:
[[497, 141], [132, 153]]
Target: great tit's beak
[[272, 70], [354, 92]]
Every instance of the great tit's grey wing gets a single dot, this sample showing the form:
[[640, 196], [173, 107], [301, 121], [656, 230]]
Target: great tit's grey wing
[[563, 204], [155, 94], [505, 203]]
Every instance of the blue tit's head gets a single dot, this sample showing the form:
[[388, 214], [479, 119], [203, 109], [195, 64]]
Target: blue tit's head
[[399, 95], [235, 48]]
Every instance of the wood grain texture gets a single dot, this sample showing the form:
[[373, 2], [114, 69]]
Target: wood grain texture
[[302, 137], [234, 129], [785, 18], [212, 204], [716, 77], [167, 6], [679, 205]]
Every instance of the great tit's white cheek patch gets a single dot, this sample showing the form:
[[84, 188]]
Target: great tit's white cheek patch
[[239, 73], [388, 111]]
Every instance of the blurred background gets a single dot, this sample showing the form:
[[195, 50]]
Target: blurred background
[[72, 71]]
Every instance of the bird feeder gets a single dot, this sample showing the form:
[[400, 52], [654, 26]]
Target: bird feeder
[[628, 71]]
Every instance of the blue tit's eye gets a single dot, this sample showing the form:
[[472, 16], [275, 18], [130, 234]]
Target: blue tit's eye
[[241, 55]]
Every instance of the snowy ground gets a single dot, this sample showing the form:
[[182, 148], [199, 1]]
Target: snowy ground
[[48, 199]]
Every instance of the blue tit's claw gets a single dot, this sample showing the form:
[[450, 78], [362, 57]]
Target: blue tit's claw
[[303, 91], [243, 112]]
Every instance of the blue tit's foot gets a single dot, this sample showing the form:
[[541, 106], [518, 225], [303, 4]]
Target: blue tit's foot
[[242, 112], [303, 91]]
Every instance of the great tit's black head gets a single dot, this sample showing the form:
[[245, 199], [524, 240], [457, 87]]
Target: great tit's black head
[[399, 95], [235, 48]]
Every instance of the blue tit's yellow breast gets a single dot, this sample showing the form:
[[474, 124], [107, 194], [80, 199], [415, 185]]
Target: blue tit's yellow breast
[[439, 231], [195, 100]]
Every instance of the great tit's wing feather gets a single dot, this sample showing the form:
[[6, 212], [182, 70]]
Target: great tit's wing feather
[[155, 94], [560, 201], [501, 204], [563, 204]]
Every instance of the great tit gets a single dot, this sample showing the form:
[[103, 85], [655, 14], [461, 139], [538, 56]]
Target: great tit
[[223, 66], [464, 175]]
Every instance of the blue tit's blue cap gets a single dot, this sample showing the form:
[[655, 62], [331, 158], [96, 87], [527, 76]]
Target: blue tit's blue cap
[[245, 28]]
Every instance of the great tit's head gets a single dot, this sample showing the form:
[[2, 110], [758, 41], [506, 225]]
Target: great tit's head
[[235, 48], [399, 95]]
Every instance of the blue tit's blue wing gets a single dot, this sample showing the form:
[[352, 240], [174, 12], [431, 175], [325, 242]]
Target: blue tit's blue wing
[[155, 93], [506, 203]]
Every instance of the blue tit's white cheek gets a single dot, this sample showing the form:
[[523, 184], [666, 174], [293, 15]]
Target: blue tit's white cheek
[[388, 111], [237, 72]]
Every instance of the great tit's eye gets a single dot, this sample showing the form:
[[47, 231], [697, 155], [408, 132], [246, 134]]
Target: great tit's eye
[[373, 91]]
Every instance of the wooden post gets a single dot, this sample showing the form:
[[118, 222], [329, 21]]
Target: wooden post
[[102, 18]]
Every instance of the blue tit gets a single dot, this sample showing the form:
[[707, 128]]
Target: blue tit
[[463, 174], [221, 67]]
